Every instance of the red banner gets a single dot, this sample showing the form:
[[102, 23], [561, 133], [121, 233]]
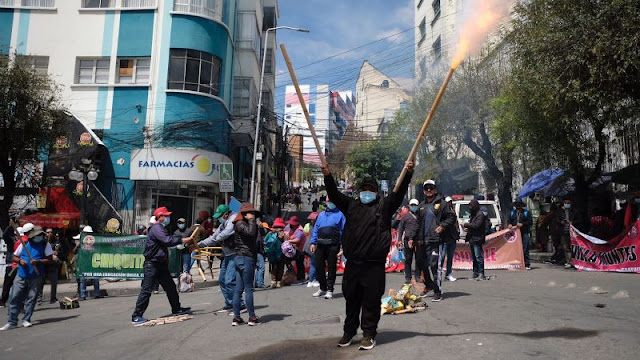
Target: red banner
[[502, 250], [619, 254]]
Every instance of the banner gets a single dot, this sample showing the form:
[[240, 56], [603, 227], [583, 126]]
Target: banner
[[502, 250], [106, 256], [619, 254]]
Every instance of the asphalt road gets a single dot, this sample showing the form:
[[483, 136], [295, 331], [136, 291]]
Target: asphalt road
[[547, 313]]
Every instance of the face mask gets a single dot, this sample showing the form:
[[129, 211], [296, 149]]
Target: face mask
[[38, 239], [367, 197], [567, 206], [331, 205], [182, 226], [413, 208], [166, 221], [222, 220]]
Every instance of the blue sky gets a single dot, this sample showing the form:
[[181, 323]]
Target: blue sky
[[343, 35]]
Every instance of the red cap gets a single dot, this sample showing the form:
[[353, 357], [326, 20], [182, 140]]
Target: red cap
[[161, 211], [293, 221], [278, 223]]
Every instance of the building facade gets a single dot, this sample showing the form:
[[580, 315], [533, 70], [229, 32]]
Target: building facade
[[155, 79]]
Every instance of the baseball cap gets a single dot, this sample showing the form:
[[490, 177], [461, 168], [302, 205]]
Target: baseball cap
[[27, 227], [370, 182], [414, 202], [161, 211], [182, 220], [448, 199], [222, 208], [36, 231], [429, 182]]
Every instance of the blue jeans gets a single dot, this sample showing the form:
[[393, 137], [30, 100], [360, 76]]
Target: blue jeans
[[245, 272], [260, 271], [526, 241], [447, 249], [312, 268], [478, 259], [83, 287], [227, 279], [23, 291], [187, 262]]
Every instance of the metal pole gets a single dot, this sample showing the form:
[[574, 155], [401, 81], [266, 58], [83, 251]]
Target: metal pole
[[83, 203]]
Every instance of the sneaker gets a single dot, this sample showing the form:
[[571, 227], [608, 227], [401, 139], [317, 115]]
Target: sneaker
[[278, 285], [436, 297], [426, 292], [367, 343], [53, 301], [316, 284], [8, 326], [243, 310], [183, 311], [26, 324], [310, 284], [328, 295], [319, 293], [253, 321], [1, 304], [527, 268], [450, 278], [237, 321], [156, 291], [346, 340], [481, 278], [225, 309], [568, 266], [138, 320]]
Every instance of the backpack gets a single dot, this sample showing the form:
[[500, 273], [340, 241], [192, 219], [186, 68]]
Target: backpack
[[272, 247], [185, 283], [488, 227]]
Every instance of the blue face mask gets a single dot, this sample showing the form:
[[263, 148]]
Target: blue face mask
[[222, 220], [182, 226], [331, 205], [166, 221], [38, 239], [367, 197], [567, 206], [413, 208]]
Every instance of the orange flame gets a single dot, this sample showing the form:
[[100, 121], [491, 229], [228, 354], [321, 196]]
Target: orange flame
[[479, 19]]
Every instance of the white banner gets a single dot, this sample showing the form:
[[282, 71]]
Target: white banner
[[176, 164]]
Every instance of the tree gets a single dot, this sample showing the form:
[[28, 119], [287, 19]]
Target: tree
[[337, 157], [574, 81], [30, 118], [376, 158]]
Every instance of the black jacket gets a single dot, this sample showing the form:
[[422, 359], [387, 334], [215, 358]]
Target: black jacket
[[408, 228], [477, 228], [525, 220], [444, 217], [367, 230], [246, 238]]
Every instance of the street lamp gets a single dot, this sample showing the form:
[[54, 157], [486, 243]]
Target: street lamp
[[253, 193], [86, 172]]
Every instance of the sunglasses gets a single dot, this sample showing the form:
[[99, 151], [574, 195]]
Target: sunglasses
[[429, 187]]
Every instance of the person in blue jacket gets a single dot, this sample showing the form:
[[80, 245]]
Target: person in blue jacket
[[521, 218], [326, 238]]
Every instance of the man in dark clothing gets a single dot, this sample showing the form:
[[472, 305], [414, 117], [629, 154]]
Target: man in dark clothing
[[408, 233], [567, 216], [156, 266], [521, 218], [435, 219], [366, 241], [476, 231], [9, 237]]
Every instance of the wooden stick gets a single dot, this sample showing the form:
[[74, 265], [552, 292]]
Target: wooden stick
[[427, 121], [24, 246], [303, 104]]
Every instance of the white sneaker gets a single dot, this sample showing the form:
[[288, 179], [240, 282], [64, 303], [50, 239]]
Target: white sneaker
[[316, 284], [26, 324], [319, 293], [310, 284], [7, 327], [328, 295], [451, 278]]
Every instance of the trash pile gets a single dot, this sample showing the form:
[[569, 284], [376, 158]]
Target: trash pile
[[403, 301]]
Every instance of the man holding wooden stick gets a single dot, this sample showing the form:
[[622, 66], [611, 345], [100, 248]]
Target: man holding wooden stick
[[156, 266], [366, 241]]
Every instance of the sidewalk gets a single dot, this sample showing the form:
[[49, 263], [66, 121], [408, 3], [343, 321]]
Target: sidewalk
[[126, 287]]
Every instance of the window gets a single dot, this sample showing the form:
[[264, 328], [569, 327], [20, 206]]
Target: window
[[248, 34], [419, 3], [194, 71], [267, 100], [208, 8], [138, 3], [244, 101], [133, 71], [423, 29], [436, 10], [437, 49], [93, 71], [385, 83], [98, 3], [39, 64], [38, 3], [268, 64]]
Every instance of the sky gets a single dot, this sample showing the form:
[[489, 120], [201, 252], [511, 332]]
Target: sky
[[342, 35]]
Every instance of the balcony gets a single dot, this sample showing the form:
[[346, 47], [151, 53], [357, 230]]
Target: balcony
[[210, 9]]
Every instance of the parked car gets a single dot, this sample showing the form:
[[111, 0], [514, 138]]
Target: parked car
[[464, 213]]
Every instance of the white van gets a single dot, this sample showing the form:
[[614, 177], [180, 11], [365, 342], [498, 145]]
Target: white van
[[464, 213]]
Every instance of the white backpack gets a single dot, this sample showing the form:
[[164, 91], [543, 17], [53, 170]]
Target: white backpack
[[185, 283]]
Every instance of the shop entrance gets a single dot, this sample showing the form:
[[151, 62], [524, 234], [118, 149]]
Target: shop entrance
[[180, 206]]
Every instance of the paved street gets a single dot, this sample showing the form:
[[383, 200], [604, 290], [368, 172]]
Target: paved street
[[547, 313]]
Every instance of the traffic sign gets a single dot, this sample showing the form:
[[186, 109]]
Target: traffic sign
[[226, 172], [226, 186]]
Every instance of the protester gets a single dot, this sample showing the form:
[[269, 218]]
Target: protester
[[308, 229], [476, 231], [35, 253], [366, 243], [295, 235], [555, 232], [408, 234], [315, 205], [542, 231], [12, 241], [156, 266], [567, 216], [435, 219], [273, 251], [224, 235], [246, 245], [448, 246], [82, 282], [325, 241], [52, 270], [521, 218], [185, 250]]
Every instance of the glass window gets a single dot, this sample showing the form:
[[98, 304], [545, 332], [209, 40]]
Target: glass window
[[194, 71], [133, 71], [39, 64], [437, 48], [98, 3], [423, 29], [248, 34], [465, 211], [39, 3], [93, 71]]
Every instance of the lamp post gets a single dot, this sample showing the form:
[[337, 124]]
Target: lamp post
[[253, 192], [87, 172]]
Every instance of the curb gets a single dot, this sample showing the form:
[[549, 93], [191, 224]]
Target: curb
[[127, 291]]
